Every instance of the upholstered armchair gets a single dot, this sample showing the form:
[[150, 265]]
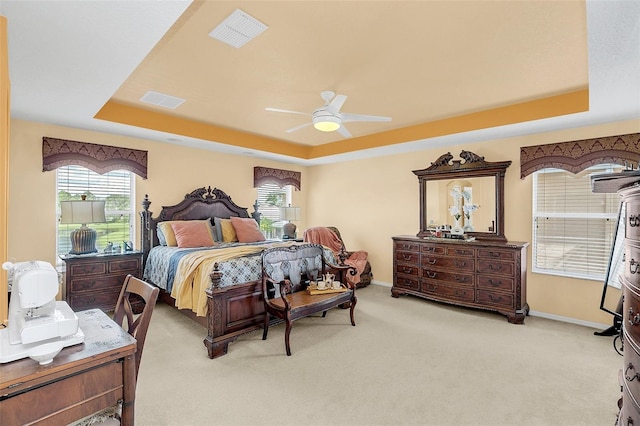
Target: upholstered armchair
[[329, 236]]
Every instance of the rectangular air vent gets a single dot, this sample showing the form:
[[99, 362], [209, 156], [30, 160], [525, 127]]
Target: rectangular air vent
[[238, 29], [160, 99]]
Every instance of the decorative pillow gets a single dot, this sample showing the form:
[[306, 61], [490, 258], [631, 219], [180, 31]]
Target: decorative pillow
[[161, 237], [247, 230], [193, 233], [165, 229], [226, 232]]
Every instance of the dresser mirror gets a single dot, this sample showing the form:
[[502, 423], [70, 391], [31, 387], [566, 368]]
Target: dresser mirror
[[463, 196]]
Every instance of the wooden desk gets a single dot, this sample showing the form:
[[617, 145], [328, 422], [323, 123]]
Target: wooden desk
[[82, 379]]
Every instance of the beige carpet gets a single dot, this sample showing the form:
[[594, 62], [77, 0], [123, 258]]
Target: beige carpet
[[407, 362]]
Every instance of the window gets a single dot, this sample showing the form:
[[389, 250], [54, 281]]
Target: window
[[116, 188], [270, 198], [574, 227]]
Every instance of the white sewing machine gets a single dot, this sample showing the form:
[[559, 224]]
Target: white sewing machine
[[39, 326]]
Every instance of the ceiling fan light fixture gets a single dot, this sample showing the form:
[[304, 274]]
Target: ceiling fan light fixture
[[326, 123]]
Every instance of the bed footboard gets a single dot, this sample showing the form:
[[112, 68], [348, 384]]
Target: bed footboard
[[232, 311]]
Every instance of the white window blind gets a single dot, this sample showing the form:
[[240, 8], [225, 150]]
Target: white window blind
[[574, 228], [116, 188], [270, 198]]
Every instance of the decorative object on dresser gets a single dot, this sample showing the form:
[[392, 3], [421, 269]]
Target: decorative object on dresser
[[95, 280], [469, 265], [83, 239], [627, 185]]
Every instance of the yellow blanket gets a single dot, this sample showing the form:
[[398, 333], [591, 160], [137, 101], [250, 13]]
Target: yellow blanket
[[192, 275]]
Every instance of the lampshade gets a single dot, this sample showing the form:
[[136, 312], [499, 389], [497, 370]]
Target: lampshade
[[326, 123], [83, 239], [82, 212], [290, 213]]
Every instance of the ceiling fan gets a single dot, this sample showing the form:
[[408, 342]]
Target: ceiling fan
[[328, 117]]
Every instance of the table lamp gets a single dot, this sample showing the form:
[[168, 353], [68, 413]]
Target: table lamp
[[289, 228], [83, 239]]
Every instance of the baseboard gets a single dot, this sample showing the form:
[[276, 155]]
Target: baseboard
[[537, 314]]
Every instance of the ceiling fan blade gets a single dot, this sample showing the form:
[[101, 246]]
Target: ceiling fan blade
[[286, 110], [344, 132], [346, 117], [336, 103], [293, 129]]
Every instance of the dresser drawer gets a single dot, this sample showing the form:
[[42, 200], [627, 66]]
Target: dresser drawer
[[448, 263], [461, 251], [407, 270], [407, 246], [495, 282], [448, 276], [631, 315], [631, 371], [105, 300], [632, 262], [433, 249], [125, 266], [632, 225], [408, 257], [497, 299], [88, 268], [630, 412], [408, 282], [448, 292], [496, 267], [100, 282], [496, 254]]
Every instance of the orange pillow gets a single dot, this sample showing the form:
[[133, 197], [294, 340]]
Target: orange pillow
[[192, 233], [247, 230]]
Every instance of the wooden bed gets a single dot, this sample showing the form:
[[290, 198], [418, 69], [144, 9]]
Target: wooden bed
[[231, 311]]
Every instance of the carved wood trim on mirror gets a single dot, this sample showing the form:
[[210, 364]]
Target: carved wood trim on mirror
[[451, 178]]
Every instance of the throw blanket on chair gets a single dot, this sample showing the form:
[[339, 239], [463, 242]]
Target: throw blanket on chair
[[329, 239]]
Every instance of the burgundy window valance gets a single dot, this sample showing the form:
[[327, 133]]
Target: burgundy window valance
[[575, 156], [262, 175], [99, 158]]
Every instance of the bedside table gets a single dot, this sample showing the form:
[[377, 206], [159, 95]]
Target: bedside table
[[95, 280]]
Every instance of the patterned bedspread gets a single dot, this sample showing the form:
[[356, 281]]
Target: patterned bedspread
[[163, 263]]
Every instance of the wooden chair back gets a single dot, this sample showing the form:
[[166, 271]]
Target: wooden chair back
[[126, 308]]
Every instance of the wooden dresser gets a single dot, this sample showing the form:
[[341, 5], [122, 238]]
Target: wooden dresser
[[486, 275], [95, 281]]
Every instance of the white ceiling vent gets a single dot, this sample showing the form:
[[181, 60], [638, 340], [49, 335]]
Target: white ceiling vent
[[238, 29], [160, 99]]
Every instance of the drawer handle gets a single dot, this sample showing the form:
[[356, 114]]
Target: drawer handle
[[429, 249], [406, 246], [90, 301], [460, 264], [634, 267], [407, 281], [634, 220], [407, 256], [460, 293], [629, 421], [407, 270], [495, 299], [634, 318], [630, 367], [431, 274], [492, 254], [431, 287], [460, 279], [495, 284], [432, 261], [497, 268], [461, 251]]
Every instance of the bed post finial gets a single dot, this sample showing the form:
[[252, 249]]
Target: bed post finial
[[216, 277], [146, 233]]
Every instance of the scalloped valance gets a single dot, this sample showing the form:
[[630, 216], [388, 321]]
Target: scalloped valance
[[575, 156], [99, 158], [262, 175]]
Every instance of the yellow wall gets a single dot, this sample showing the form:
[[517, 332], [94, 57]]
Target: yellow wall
[[369, 200], [4, 162]]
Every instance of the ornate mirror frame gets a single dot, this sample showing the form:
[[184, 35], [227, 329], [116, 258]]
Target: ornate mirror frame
[[445, 167]]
